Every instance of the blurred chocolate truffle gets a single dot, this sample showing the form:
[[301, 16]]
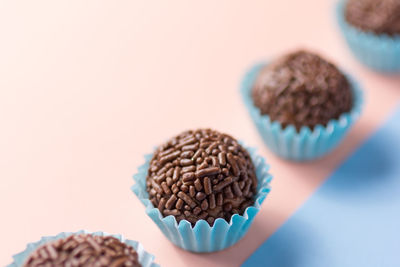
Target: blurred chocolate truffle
[[377, 16], [302, 89], [84, 250], [201, 175]]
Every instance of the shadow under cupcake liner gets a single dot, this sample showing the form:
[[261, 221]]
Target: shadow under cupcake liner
[[380, 52], [307, 144], [203, 237], [145, 259]]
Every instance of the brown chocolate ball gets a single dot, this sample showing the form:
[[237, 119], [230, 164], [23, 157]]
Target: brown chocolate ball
[[378, 16], [201, 175], [302, 89], [84, 250]]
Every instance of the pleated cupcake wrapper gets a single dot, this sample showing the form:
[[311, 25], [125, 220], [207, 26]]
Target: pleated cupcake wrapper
[[203, 237], [380, 52], [145, 259], [307, 144]]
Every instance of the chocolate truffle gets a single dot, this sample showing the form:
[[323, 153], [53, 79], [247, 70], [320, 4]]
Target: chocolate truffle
[[378, 16], [201, 174], [84, 250], [302, 89]]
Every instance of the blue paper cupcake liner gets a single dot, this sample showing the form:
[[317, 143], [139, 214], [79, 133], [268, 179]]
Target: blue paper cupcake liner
[[145, 259], [203, 237], [306, 144], [379, 52]]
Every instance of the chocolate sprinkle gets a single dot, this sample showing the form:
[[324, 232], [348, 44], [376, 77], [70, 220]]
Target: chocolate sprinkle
[[84, 250], [302, 89], [378, 16], [206, 177]]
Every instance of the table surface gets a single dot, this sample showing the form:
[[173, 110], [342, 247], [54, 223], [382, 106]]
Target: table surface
[[87, 88], [352, 219]]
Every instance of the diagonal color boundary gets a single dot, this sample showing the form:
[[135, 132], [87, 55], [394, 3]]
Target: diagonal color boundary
[[353, 219]]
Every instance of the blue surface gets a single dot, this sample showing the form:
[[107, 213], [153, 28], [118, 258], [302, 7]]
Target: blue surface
[[353, 219]]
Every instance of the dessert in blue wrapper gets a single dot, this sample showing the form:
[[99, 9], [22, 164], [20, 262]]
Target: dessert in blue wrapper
[[371, 29], [301, 104], [203, 189], [84, 248]]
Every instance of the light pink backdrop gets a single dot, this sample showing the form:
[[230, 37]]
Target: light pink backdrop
[[88, 87]]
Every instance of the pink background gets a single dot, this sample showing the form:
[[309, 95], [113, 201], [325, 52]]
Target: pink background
[[87, 88]]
